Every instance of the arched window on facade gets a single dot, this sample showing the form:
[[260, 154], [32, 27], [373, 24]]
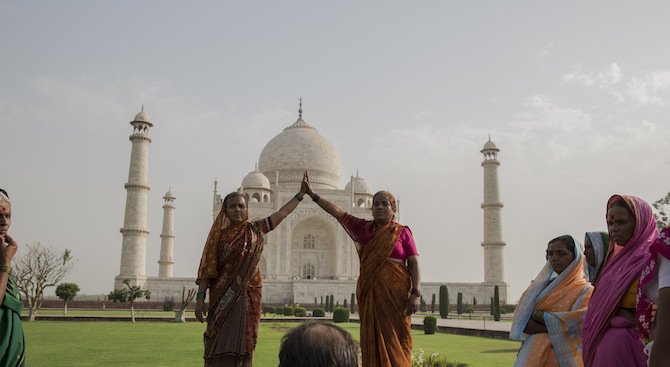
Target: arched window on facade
[[256, 198], [308, 271], [361, 203], [309, 242]]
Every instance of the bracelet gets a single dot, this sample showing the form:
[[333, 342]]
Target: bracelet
[[316, 198], [416, 292], [200, 296], [298, 196], [5, 269]]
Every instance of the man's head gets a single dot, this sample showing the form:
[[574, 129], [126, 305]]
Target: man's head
[[318, 344]]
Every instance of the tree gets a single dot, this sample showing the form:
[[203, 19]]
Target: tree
[[474, 301], [39, 268], [66, 292], [432, 304], [459, 303], [422, 304], [353, 303], [129, 295], [186, 299], [661, 211], [444, 302]]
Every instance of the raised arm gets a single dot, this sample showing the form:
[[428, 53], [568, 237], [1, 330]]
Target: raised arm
[[290, 205], [326, 205]]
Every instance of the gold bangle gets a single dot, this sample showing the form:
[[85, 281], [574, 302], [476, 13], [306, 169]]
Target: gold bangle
[[5, 269]]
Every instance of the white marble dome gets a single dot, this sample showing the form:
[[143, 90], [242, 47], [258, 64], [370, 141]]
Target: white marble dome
[[255, 180], [298, 148], [490, 145], [360, 186], [142, 117]]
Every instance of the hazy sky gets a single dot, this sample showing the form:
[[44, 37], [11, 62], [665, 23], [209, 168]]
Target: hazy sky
[[575, 94]]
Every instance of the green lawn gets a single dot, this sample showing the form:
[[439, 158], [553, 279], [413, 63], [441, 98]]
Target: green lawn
[[60, 343]]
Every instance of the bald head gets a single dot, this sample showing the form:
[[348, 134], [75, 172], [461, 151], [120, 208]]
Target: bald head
[[318, 344]]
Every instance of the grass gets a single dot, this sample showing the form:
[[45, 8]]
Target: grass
[[77, 344]]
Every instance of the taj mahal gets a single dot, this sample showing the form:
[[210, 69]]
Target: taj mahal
[[308, 255]]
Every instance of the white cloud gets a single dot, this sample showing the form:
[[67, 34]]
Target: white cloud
[[546, 51], [650, 89], [602, 79]]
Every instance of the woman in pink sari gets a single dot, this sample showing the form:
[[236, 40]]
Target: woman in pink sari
[[611, 334]]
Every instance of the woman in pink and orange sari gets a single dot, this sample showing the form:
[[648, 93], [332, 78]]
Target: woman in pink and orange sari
[[612, 333], [549, 316], [388, 285], [229, 269]]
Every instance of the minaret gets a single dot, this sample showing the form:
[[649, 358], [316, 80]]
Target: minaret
[[166, 262], [493, 243], [135, 232]]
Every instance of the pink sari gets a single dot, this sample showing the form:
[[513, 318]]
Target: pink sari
[[610, 340]]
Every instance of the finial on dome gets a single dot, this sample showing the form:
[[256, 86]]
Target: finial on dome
[[256, 167], [300, 108], [356, 172], [489, 136], [142, 107]]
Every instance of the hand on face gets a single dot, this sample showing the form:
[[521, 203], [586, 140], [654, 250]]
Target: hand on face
[[8, 248]]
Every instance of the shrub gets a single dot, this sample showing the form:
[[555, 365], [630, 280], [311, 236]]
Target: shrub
[[429, 325], [168, 304], [496, 303], [432, 304], [318, 312], [341, 315], [300, 312], [422, 304], [288, 311], [459, 303], [269, 309], [444, 302]]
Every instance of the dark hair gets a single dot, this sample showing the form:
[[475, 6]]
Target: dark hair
[[230, 196], [318, 344], [4, 192], [566, 240]]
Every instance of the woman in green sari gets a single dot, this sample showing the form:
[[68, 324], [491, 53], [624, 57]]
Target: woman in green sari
[[11, 332]]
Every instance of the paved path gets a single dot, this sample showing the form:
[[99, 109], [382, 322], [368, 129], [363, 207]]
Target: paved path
[[469, 324]]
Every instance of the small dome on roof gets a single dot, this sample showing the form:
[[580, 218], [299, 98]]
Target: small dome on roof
[[169, 195], [142, 117], [255, 180], [490, 145], [360, 185]]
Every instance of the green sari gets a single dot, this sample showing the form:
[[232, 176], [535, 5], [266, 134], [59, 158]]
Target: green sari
[[12, 344]]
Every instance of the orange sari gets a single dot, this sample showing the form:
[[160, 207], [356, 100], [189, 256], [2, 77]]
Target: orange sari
[[383, 295], [230, 260]]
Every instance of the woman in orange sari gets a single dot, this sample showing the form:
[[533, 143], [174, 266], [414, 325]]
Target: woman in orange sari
[[388, 284], [229, 269], [549, 316]]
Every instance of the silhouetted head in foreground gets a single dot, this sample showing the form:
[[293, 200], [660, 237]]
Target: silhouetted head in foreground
[[318, 344]]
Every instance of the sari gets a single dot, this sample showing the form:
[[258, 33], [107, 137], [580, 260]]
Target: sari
[[609, 339], [383, 292], [564, 300], [230, 260], [12, 343], [600, 250]]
